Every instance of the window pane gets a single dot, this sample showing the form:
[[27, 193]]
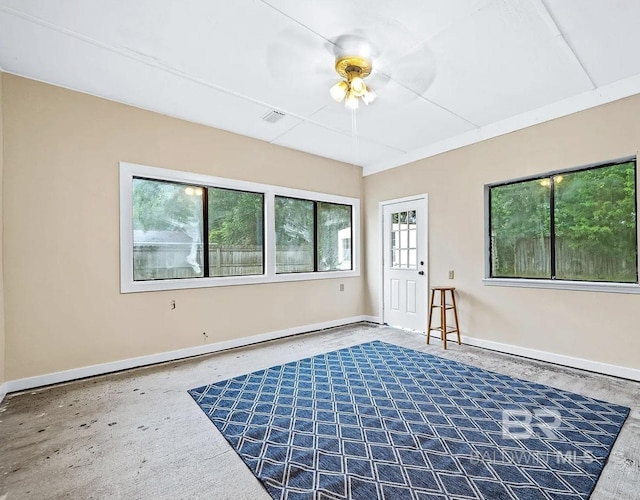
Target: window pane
[[294, 235], [167, 230], [395, 258], [395, 239], [235, 232], [595, 224], [520, 222], [404, 239], [346, 249], [413, 259], [334, 229]]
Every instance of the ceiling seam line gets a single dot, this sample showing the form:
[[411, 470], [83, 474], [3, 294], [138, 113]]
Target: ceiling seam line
[[296, 21], [350, 133], [476, 8], [448, 111], [157, 65], [436, 104], [553, 21], [295, 126]]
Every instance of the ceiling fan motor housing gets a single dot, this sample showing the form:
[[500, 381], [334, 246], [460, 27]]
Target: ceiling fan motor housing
[[353, 66]]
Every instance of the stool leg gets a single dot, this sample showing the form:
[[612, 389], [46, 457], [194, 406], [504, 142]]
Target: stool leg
[[455, 313], [433, 293], [443, 316]]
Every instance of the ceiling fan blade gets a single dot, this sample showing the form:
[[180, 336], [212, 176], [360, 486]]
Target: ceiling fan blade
[[298, 60], [415, 70]]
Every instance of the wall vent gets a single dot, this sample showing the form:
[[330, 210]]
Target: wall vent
[[273, 116]]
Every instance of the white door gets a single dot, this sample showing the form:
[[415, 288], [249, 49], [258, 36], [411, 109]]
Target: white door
[[404, 260]]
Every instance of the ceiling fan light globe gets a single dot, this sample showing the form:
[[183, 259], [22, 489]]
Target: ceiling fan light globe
[[358, 87], [369, 96], [339, 91], [351, 102]]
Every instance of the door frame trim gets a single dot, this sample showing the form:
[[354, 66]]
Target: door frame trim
[[381, 204]]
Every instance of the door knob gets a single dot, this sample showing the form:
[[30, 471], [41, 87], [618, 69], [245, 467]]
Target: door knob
[[421, 273]]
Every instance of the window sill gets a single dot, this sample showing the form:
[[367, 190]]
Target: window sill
[[185, 283], [582, 286]]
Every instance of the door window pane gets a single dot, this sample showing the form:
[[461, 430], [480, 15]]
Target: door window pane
[[395, 258], [334, 236], [413, 258], [235, 232], [294, 235], [595, 224], [404, 240], [167, 230]]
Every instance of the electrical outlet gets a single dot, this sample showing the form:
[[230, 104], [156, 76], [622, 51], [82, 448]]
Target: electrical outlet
[[451, 274], [342, 287]]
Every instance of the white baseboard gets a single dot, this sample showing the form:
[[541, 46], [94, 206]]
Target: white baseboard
[[125, 364], [550, 357], [558, 359], [372, 319]]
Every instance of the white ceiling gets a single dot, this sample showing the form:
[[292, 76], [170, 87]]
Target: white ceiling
[[447, 73]]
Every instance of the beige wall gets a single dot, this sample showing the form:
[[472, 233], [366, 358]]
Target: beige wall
[[63, 306], [2, 339], [591, 325]]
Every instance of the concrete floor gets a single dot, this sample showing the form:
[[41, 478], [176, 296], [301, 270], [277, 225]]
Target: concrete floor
[[138, 434]]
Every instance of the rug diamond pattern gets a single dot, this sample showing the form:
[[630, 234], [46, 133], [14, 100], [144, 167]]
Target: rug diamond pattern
[[381, 421]]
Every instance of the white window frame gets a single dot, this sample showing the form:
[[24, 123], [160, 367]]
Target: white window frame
[[127, 284]]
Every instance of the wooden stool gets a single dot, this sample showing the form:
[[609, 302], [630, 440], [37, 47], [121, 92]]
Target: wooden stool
[[444, 307]]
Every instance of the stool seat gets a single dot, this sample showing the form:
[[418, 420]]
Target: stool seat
[[444, 306]]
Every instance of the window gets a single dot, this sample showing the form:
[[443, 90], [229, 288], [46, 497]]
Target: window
[[312, 236], [182, 230], [169, 241], [167, 230], [404, 245], [334, 237], [235, 235], [577, 225], [294, 235]]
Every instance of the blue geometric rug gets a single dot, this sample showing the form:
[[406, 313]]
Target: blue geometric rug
[[379, 421]]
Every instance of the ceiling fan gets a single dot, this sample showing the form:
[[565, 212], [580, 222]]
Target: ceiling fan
[[365, 70], [353, 70], [353, 64]]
